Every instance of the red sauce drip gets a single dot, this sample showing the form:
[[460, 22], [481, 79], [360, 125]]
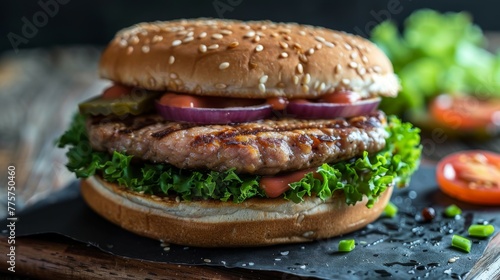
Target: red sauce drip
[[275, 186]]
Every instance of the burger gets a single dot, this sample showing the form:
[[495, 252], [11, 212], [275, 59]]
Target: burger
[[224, 133]]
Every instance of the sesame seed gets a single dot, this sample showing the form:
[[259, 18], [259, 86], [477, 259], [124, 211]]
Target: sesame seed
[[364, 59], [322, 86], [285, 31], [318, 46], [202, 35], [130, 49], [259, 48], [302, 32], [262, 88], [157, 38], [296, 80], [305, 88], [319, 38], [353, 64], [347, 46], [134, 40], [226, 32], [202, 48], [354, 55], [297, 46], [283, 45], [223, 65], [171, 60], [284, 55], [188, 39], [316, 84], [338, 69], [175, 43], [346, 81], [173, 76], [361, 71], [256, 39], [287, 38], [377, 69], [221, 86], [217, 36], [263, 79], [145, 49], [207, 260], [177, 199], [123, 43], [306, 78], [300, 68], [213, 47], [260, 34], [329, 44], [190, 34], [263, 27], [303, 58], [274, 34], [182, 32], [233, 44], [249, 34], [310, 51], [166, 249]]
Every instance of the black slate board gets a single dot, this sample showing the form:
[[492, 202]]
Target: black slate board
[[403, 247]]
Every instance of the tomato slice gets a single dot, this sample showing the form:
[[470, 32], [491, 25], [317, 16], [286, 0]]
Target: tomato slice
[[471, 176], [116, 91], [465, 112]]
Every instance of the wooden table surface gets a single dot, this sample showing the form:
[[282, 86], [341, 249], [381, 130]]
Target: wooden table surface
[[39, 92]]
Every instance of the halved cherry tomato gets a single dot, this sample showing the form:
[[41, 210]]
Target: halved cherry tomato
[[471, 176], [465, 112]]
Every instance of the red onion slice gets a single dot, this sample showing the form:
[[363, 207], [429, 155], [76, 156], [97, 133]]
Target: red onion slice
[[214, 115], [309, 110]]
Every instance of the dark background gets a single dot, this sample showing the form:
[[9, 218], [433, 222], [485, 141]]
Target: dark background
[[95, 22]]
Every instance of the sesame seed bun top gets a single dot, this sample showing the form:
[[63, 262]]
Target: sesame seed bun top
[[256, 59]]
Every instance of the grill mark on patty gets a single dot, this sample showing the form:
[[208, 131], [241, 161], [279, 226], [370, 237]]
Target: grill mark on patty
[[171, 129], [137, 125], [266, 147]]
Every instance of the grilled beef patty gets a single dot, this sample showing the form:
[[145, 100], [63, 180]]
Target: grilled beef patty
[[264, 147]]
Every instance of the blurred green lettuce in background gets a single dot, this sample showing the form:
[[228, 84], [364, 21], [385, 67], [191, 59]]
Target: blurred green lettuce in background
[[437, 53]]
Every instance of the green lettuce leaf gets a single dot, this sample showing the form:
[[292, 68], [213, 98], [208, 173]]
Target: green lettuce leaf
[[367, 176], [437, 53]]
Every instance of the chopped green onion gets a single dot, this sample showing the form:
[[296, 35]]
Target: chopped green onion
[[390, 210], [481, 230], [460, 242], [346, 245], [452, 211]]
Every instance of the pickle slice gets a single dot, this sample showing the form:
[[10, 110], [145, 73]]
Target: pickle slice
[[135, 103]]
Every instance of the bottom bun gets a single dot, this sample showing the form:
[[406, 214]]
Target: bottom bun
[[210, 223]]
